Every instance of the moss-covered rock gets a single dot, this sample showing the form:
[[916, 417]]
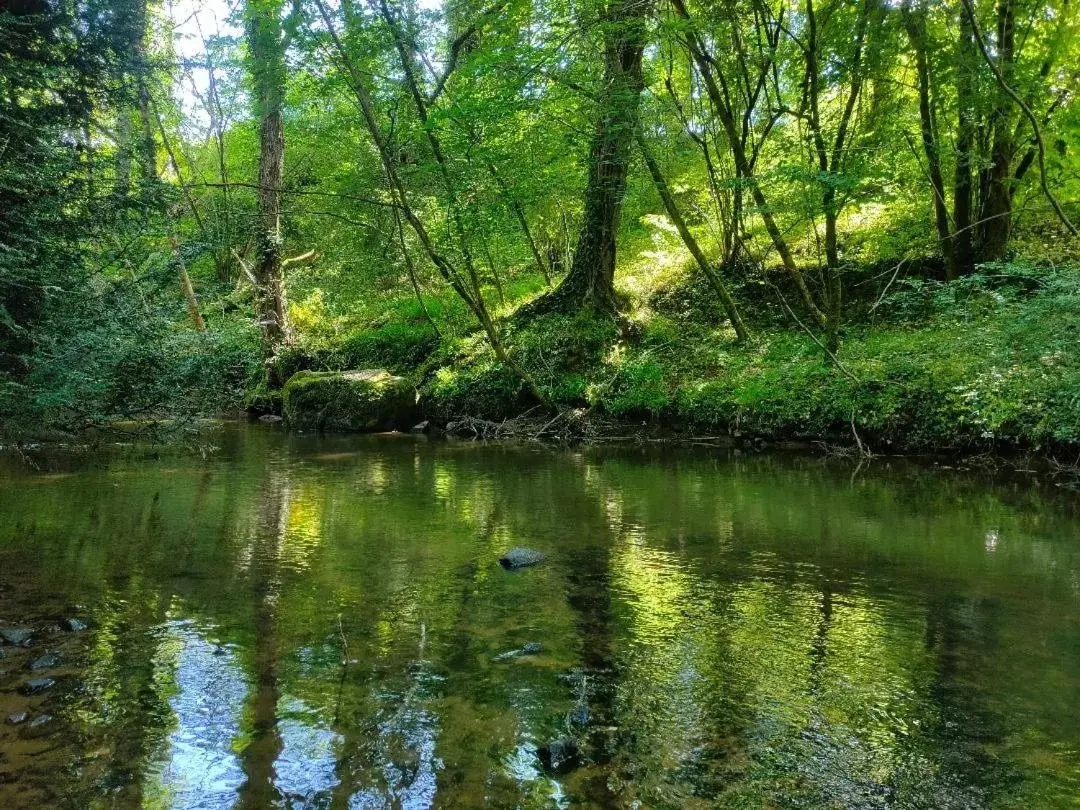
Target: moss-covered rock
[[356, 401]]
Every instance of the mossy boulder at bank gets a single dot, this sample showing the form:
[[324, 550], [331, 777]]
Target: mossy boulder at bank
[[349, 401]]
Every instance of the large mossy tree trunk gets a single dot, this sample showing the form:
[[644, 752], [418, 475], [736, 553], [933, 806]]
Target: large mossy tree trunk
[[962, 250], [995, 219], [267, 43], [591, 280]]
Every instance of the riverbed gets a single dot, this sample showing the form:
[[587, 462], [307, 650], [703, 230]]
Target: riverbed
[[295, 621]]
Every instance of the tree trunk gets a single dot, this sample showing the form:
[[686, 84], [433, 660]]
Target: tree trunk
[[266, 46], [186, 286], [962, 253], [591, 279], [831, 162], [915, 22], [996, 215]]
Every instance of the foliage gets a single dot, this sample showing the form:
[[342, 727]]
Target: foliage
[[145, 164]]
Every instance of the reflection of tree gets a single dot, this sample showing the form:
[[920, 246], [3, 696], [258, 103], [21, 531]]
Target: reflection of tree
[[131, 695], [961, 637], [265, 744]]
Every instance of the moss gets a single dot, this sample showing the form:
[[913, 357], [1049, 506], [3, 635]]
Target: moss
[[360, 401], [399, 347]]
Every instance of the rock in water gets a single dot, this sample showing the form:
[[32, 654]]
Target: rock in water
[[17, 718], [38, 685], [532, 648], [520, 558], [16, 635], [561, 755], [47, 661], [73, 625], [349, 401], [270, 418]]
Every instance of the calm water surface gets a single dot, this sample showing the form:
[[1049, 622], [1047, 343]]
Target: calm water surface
[[300, 622]]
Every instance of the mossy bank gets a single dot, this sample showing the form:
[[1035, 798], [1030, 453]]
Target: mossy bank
[[988, 362]]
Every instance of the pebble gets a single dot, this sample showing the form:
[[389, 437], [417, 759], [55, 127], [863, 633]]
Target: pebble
[[16, 635], [38, 685], [47, 661]]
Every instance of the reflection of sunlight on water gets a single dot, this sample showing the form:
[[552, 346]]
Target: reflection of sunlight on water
[[303, 529], [305, 768], [201, 769]]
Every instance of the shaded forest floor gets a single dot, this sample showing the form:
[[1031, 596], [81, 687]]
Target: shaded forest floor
[[988, 362]]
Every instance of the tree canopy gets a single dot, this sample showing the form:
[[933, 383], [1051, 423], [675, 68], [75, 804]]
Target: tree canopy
[[194, 201]]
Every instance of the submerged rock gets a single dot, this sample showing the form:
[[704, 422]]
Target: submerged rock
[[16, 635], [520, 558], [353, 401], [561, 755], [47, 661], [40, 726], [37, 685], [532, 648], [73, 625], [271, 418]]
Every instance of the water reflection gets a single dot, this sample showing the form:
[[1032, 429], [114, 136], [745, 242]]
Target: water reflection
[[306, 622], [199, 767]]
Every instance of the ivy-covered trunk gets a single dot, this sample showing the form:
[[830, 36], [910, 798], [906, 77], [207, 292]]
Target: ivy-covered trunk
[[592, 273], [266, 53]]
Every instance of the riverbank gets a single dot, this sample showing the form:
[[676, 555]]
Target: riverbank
[[985, 364]]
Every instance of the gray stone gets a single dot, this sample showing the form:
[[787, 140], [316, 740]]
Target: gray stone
[[73, 625], [43, 720], [37, 685], [421, 427], [561, 755], [16, 718], [47, 661], [520, 558], [16, 635], [271, 418], [349, 401], [532, 648]]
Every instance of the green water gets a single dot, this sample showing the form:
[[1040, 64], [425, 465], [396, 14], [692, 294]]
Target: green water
[[301, 622]]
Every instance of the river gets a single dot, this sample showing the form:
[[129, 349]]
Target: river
[[323, 622]]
